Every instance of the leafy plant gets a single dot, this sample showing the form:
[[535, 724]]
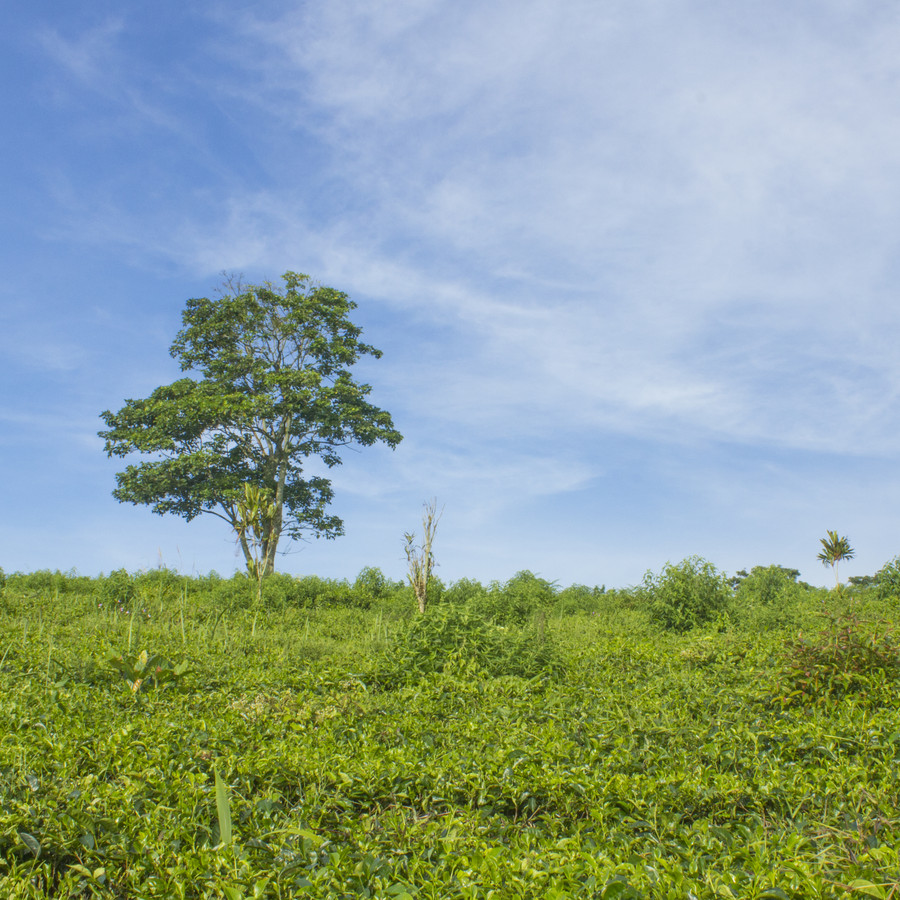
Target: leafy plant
[[686, 595], [581, 756], [845, 658], [371, 584], [834, 550], [766, 598], [517, 601], [465, 590], [117, 589], [143, 671], [223, 809], [887, 580], [457, 636]]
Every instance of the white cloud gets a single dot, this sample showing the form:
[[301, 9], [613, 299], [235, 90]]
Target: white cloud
[[85, 56], [648, 219]]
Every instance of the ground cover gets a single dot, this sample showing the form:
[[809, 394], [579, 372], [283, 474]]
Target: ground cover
[[571, 748]]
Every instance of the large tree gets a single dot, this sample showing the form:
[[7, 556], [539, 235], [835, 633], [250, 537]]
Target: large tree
[[268, 389]]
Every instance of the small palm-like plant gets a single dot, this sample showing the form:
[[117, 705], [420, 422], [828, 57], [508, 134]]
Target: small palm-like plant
[[834, 550]]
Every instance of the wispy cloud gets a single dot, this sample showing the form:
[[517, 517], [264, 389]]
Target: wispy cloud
[[86, 55], [648, 220]]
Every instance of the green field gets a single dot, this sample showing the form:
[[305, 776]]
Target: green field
[[518, 740]]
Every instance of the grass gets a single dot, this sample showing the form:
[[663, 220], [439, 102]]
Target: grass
[[292, 759]]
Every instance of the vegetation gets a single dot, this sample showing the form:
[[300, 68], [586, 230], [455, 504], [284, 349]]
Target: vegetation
[[420, 559], [834, 550], [172, 737], [274, 390], [686, 595]]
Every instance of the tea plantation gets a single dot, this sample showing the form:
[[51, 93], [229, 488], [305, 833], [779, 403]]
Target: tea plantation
[[172, 737]]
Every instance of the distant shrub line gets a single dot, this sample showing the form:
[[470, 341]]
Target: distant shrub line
[[681, 597]]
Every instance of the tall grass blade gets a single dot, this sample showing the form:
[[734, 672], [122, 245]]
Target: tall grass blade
[[223, 809]]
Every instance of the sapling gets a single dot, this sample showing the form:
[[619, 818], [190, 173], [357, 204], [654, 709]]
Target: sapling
[[420, 557]]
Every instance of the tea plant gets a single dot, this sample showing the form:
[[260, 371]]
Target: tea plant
[[332, 751], [767, 598], [845, 658], [460, 638]]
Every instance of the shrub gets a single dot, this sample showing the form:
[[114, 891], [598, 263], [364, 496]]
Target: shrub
[[767, 598], [579, 598], [517, 601], [280, 591], [46, 582], [371, 584], [845, 658], [686, 595], [453, 638], [158, 583], [116, 589], [311, 591], [887, 580], [466, 590]]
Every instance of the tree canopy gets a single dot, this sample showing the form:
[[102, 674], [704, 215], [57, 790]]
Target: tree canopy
[[269, 388]]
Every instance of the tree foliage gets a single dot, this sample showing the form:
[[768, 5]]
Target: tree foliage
[[269, 388]]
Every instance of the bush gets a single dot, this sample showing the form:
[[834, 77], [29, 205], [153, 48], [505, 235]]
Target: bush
[[466, 590], [453, 638], [159, 583], [280, 591], [686, 595], [116, 589], [579, 598], [767, 598], [518, 601], [887, 580], [371, 584], [845, 658], [46, 582]]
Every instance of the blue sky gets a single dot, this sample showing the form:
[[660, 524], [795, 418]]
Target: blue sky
[[633, 267]]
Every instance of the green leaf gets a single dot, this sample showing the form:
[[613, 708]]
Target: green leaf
[[223, 809], [31, 842], [861, 886]]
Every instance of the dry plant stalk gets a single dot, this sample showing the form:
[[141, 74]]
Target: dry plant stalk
[[421, 558]]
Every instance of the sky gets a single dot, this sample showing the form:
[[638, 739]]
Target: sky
[[633, 266]]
